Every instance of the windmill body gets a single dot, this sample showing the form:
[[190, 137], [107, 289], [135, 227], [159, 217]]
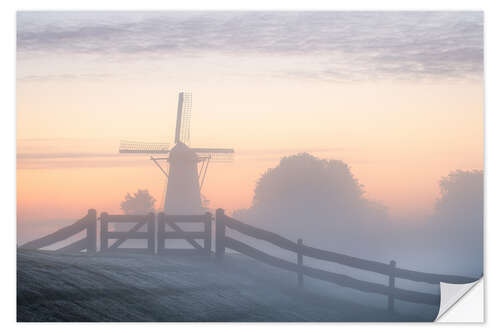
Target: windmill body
[[184, 167], [183, 189]]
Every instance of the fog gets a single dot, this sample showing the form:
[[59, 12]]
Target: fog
[[322, 202]]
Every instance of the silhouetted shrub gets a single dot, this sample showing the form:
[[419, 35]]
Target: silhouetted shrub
[[140, 203]]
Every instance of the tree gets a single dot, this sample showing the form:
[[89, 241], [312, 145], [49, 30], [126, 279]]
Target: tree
[[316, 199], [458, 219], [461, 197], [304, 178], [140, 203]]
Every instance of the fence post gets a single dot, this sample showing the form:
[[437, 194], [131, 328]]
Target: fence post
[[220, 233], [300, 261], [208, 233], [392, 280], [160, 233], [92, 231], [104, 231], [151, 232]]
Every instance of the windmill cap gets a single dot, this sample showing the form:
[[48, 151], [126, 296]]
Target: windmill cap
[[183, 152]]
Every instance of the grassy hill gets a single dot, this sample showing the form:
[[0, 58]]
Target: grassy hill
[[133, 287]]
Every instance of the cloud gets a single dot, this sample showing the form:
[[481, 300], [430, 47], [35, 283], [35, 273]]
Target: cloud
[[83, 161], [348, 45], [65, 159], [62, 155], [64, 77]]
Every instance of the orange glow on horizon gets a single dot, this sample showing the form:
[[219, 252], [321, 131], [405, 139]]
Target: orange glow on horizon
[[399, 138]]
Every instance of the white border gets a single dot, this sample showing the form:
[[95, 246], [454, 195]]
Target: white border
[[7, 21]]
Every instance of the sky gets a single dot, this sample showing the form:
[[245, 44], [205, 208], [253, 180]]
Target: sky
[[398, 96]]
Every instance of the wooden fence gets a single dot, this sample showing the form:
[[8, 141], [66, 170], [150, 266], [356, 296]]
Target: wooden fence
[[134, 233], [189, 236], [222, 242], [88, 223]]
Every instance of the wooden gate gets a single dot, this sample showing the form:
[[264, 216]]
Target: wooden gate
[[134, 233], [189, 236]]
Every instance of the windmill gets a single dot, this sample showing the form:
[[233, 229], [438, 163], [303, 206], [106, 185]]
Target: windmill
[[184, 167]]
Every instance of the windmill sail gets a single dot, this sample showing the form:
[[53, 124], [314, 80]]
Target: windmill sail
[[215, 154], [213, 150], [182, 128], [135, 147]]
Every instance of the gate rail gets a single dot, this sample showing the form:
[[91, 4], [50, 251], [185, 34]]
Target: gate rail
[[133, 233], [189, 236]]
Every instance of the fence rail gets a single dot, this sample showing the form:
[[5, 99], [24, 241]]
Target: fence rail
[[88, 243], [222, 242]]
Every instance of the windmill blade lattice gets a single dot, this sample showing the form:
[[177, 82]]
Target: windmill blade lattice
[[136, 147], [182, 127], [219, 155], [186, 119]]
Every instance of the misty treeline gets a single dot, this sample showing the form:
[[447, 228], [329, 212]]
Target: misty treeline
[[322, 202]]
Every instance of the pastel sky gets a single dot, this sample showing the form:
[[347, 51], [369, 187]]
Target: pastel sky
[[396, 95]]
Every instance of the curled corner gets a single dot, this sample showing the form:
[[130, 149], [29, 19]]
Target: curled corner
[[452, 294]]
